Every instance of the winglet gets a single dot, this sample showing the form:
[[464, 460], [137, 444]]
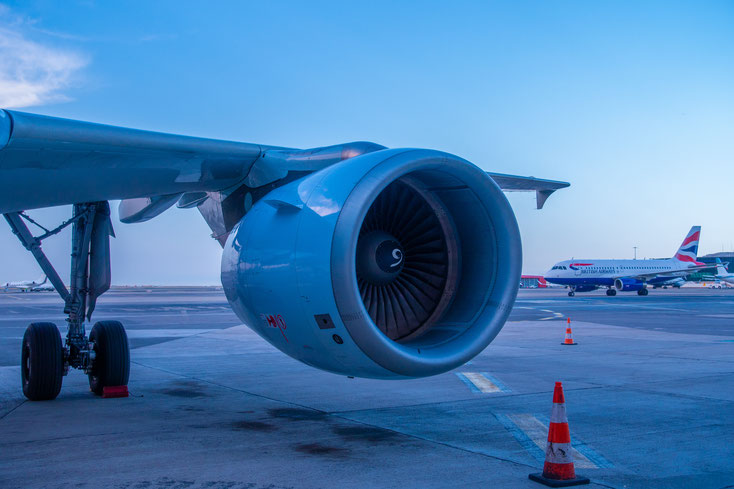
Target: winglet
[[541, 196], [514, 183]]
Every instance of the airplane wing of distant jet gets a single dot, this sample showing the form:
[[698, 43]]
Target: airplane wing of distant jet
[[667, 273], [355, 258]]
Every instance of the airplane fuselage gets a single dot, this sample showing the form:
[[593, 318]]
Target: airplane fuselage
[[602, 273]]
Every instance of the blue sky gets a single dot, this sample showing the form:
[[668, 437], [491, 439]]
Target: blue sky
[[632, 103]]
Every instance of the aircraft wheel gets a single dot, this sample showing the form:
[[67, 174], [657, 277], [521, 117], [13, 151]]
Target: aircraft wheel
[[42, 362], [642, 292], [611, 292], [571, 294], [111, 365]]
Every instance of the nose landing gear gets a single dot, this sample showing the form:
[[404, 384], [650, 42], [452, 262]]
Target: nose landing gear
[[105, 354]]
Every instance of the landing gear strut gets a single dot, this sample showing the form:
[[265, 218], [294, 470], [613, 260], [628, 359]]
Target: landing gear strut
[[105, 354]]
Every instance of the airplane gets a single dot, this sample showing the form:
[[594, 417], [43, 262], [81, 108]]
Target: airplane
[[27, 285], [45, 287], [354, 258], [628, 275], [723, 274], [673, 282]]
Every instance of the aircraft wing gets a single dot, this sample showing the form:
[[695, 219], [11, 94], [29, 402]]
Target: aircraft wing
[[515, 183], [47, 161], [666, 274]]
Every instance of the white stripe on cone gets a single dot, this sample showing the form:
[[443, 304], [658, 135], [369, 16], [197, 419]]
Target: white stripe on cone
[[558, 414]]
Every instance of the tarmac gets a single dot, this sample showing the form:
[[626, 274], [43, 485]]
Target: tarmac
[[649, 395]]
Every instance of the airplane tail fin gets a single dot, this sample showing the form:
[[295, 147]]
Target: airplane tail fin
[[41, 280], [688, 250], [721, 270]]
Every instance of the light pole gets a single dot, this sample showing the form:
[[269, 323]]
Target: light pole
[[635, 247]]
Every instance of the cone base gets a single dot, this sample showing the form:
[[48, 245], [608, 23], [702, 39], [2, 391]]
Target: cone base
[[569, 344], [577, 481]]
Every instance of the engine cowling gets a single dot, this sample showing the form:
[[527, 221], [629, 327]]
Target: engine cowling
[[393, 264], [628, 284]]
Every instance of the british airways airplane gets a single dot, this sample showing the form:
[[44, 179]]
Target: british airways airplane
[[628, 275]]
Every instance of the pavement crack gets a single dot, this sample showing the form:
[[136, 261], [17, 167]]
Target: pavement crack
[[16, 407]]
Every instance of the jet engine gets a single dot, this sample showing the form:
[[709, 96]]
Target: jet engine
[[394, 264], [628, 284]]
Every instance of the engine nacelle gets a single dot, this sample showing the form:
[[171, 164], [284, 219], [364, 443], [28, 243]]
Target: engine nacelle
[[628, 284], [393, 264]]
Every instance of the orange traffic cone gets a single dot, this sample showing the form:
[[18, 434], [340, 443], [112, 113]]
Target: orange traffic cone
[[558, 470], [569, 335]]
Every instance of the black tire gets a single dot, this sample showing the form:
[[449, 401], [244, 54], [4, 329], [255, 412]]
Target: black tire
[[571, 294], [642, 292], [42, 362], [111, 365]]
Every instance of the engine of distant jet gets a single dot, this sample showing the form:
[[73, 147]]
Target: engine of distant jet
[[392, 264], [628, 284]]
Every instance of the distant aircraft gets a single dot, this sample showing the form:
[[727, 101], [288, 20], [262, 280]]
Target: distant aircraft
[[722, 273], [27, 285], [628, 275], [673, 282], [45, 287], [353, 258]]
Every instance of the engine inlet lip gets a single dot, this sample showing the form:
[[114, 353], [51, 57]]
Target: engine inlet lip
[[419, 360]]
